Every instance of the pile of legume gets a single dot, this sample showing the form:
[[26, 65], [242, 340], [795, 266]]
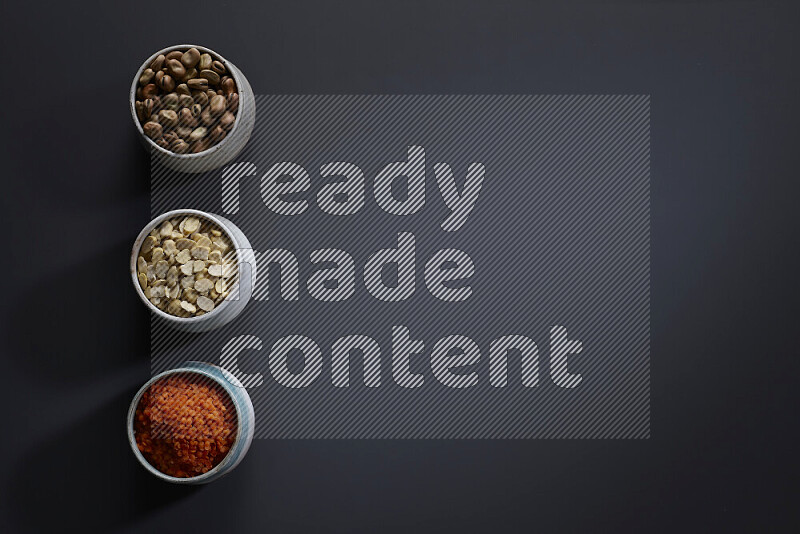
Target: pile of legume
[[185, 424], [186, 266], [186, 101]]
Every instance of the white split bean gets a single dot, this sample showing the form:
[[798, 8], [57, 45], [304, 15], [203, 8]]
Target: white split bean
[[185, 266]]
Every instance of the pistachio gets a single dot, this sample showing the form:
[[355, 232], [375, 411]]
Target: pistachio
[[190, 58], [146, 76], [158, 62], [198, 84], [153, 130], [217, 105], [210, 75], [176, 68], [218, 67]]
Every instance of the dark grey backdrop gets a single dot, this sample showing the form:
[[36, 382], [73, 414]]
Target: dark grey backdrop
[[723, 81]]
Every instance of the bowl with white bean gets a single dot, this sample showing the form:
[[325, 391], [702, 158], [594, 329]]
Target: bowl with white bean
[[193, 269]]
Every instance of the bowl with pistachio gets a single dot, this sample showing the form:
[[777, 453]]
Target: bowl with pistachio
[[193, 269], [193, 108]]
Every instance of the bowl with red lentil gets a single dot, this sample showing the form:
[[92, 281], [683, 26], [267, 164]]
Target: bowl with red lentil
[[192, 424]]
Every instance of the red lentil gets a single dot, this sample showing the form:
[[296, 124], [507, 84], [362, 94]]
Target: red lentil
[[185, 424]]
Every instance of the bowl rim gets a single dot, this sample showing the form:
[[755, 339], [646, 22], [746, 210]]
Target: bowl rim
[[137, 245], [132, 101], [186, 367]]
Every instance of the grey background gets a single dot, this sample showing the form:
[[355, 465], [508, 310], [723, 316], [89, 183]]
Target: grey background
[[559, 236], [723, 82]]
